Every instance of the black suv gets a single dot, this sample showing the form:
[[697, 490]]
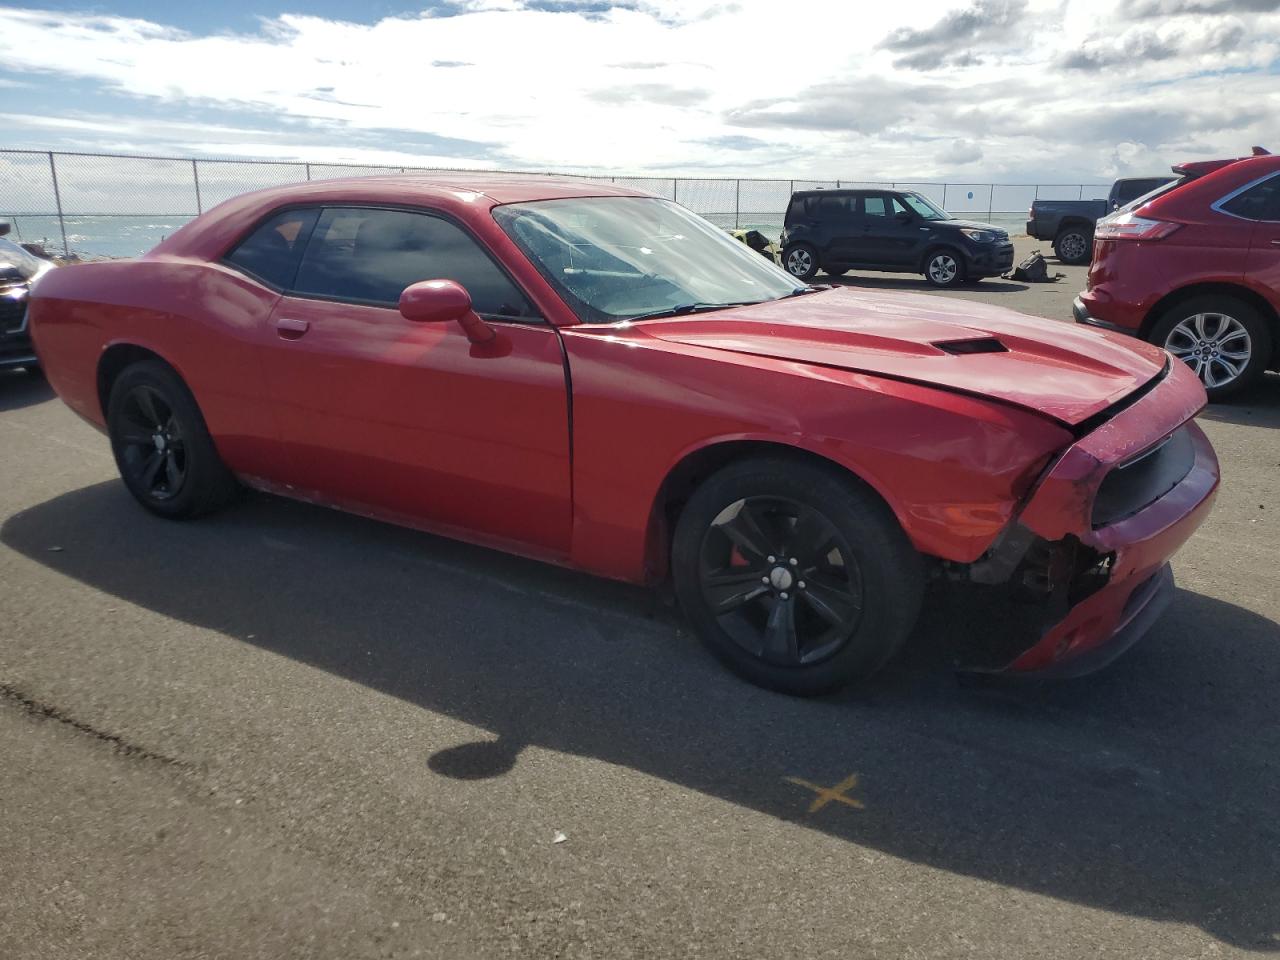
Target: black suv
[[18, 270], [893, 230]]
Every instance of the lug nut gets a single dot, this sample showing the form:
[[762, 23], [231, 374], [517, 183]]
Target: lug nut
[[800, 584], [764, 579], [783, 595], [773, 559], [794, 561]]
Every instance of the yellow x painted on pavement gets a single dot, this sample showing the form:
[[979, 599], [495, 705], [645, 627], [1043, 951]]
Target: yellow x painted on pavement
[[826, 795]]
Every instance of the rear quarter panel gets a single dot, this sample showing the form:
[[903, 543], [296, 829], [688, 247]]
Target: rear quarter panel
[[204, 320], [952, 468]]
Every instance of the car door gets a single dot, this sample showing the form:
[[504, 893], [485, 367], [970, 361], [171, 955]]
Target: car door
[[890, 232], [411, 421], [1261, 203], [839, 227]]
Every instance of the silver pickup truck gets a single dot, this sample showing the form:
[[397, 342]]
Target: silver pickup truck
[[1069, 223]]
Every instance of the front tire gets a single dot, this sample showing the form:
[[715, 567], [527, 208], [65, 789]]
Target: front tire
[[801, 261], [1221, 338], [1074, 245], [161, 444], [797, 578], [944, 268]]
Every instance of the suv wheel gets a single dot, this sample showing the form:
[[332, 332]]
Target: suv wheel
[[1074, 245], [1222, 339], [801, 261], [943, 268]]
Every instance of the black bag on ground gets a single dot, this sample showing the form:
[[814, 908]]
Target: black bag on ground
[[1034, 269]]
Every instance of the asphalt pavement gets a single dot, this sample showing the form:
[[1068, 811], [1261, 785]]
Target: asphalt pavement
[[286, 732]]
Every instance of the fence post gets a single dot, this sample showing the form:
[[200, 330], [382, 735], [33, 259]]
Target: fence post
[[737, 204], [675, 189], [1080, 194], [57, 198], [991, 199], [195, 174], [944, 196], [308, 166]]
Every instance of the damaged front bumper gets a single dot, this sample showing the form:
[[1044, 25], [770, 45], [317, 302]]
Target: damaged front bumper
[[1091, 547]]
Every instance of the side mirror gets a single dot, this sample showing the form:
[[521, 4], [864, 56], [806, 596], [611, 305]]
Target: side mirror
[[439, 301], [5, 227], [903, 216]]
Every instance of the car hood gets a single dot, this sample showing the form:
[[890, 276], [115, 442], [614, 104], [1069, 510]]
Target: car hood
[[970, 225], [1060, 370]]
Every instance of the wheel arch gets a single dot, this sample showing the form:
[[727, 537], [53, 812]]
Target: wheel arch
[[1221, 288], [1070, 222], [695, 466], [934, 246], [115, 358]]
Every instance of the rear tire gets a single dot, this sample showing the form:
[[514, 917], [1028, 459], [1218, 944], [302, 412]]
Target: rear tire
[[801, 261], [797, 578], [1222, 338], [161, 444], [1074, 245]]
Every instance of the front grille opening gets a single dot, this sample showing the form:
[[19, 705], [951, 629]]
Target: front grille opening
[[1142, 481], [976, 345]]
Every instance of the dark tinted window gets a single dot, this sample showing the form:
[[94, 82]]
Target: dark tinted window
[[372, 255], [271, 252], [834, 207], [1127, 190], [1259, 202]]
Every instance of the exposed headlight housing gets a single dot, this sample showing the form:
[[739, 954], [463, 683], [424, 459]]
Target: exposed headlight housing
[[978, 236]]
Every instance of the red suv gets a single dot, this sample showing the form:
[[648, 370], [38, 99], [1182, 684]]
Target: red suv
[[1195, 268]]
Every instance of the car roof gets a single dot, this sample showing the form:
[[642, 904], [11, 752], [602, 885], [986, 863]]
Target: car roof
[[451, 190]]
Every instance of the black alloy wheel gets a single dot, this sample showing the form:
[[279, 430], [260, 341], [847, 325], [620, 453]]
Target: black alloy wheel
[[794, 574], [780, 580], [151, 445], [161, 444]]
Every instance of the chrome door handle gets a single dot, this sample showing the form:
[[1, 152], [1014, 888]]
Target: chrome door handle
[[1276, 242], [292, 329]]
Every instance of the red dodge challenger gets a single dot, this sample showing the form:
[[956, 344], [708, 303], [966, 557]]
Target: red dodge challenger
[[598, 378]]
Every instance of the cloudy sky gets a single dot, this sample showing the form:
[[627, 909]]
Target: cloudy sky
[[1005, 90]]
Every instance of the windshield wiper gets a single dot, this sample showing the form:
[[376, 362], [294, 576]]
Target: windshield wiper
[[687, 308]]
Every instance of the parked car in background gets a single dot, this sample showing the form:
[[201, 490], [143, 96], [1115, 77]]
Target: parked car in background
[[896, 231], [1196, 270], [18, 271], [599, 378], [1069, 223]]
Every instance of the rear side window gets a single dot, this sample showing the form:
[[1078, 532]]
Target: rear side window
[[832, 207], [371, 255], [1259, 202], [271, 252]]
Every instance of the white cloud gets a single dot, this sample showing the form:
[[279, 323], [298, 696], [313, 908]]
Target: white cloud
[[1029, 89]]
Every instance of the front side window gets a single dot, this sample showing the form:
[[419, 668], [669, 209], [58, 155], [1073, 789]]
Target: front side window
[[1259, 202], [882, 205], [271, 252], [622, 258], [370, 255], [924, 207]]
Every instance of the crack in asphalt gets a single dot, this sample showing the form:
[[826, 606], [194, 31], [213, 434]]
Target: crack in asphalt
[[44, 711]]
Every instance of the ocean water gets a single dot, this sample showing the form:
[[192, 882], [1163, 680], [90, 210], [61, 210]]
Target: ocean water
[[129, 236], [94, 237]]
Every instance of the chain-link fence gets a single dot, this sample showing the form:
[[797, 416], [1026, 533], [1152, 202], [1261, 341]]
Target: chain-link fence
[[119, 206]]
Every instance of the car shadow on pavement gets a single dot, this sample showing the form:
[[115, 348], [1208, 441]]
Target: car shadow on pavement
[[19, 389], [878, 281], [1147, 790], [1259, 406]]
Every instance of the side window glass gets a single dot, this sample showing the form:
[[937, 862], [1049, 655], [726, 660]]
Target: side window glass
[[899, 206], [833, 208], [874, 206], [1259, 202], [371, 255], [271, 252]]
